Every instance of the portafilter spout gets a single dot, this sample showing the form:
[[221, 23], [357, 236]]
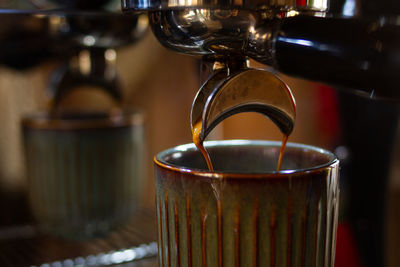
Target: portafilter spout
[[298, 38], [236, 88]]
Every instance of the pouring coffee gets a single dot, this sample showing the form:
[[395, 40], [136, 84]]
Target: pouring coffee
[[235, 88], [353, 45]]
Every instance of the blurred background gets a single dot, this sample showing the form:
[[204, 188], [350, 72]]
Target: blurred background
[[163, 84]]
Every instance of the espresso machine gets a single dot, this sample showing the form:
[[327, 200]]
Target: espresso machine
[[351, 45], [79, 40]]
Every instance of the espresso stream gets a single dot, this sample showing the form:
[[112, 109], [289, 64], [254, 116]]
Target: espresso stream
[[199, 144]]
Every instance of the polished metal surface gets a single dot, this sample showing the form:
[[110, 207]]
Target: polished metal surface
[[203, 31], [105, 29], [22, 244], [92, 29], [128, 255], [235, 27], [29, 37], [233, 33], [224, 4], [234, 90], [95, 67]]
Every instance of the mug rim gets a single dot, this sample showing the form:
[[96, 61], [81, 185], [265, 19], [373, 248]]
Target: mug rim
[[160, 162], [112, 119]]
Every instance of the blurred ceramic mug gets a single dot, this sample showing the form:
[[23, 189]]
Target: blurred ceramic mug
[[245, 213], [85, 170]]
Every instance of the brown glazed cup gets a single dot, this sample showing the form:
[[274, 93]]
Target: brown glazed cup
[[85, 171], [245, 213]]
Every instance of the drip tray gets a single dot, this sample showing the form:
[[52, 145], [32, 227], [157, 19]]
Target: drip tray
[[25, 246]]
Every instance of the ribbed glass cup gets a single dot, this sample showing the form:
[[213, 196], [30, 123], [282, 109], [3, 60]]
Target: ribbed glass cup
[[85, 171], [245, 213]]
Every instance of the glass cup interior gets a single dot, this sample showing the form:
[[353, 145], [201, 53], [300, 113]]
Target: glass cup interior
[[244, 156]]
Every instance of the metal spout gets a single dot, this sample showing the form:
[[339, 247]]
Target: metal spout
[[231, 91]]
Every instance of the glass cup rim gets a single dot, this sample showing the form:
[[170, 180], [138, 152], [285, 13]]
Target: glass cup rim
[[159, 159], [93, 120]]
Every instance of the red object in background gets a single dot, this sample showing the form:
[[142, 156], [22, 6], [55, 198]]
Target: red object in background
[[300, 2], [347, 254], [328, 114]]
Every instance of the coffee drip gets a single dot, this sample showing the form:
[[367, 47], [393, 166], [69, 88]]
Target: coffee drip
[[234, 88], [199, 144]]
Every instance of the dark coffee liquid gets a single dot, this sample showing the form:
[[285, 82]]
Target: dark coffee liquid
[[281, 110], [199, 143], [282, 151]]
